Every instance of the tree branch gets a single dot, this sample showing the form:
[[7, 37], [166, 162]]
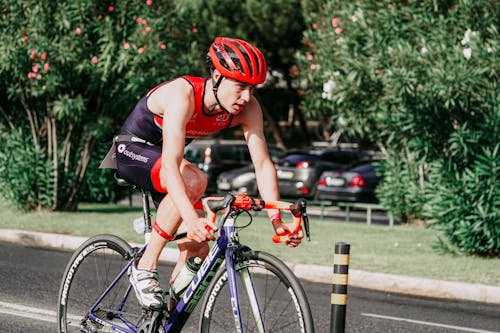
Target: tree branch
[[31, 120], [11, 125]]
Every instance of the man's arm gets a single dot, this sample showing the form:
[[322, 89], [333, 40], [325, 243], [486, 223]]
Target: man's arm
[[265, 172], [253, 128], [176, 102]]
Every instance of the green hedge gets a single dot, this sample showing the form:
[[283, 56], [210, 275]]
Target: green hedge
[[421, 80]]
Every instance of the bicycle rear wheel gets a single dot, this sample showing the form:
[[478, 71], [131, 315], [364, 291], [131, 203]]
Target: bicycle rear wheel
[[281, 299], [91, 270]]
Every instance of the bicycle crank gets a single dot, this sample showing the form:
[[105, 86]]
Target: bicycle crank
[[152, 323]]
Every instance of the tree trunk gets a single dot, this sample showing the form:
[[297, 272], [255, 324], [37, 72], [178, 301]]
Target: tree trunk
[[31, 120], [81, 169], [302, 122], [274, 129], [7, 118]]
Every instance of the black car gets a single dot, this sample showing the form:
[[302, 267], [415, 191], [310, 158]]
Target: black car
[[354, 183], [216, 156], [242, 180], [299, 171]]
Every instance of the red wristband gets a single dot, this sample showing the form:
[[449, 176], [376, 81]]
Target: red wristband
[[163, 234], [275, 217]]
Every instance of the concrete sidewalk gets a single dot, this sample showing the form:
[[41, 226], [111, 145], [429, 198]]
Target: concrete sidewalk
[[323, 274]]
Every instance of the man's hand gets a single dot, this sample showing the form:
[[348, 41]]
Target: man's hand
[[200, 230], [294, 239]]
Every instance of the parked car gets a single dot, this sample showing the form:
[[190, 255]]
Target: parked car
[[214, 156], [299, 171], [354, 183], [242, 180]]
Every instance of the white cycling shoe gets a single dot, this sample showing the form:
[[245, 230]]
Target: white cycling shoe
[[147, 288]]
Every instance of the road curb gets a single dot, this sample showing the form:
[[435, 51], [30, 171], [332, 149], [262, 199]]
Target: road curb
[[314, 273]]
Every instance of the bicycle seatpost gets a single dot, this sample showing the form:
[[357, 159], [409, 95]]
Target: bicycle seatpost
[[146, 211]]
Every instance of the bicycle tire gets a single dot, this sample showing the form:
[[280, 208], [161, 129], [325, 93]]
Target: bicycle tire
[[282, 300], [93, 266]]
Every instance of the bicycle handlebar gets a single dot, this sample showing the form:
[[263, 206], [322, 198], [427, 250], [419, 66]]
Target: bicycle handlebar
[[230, 203]]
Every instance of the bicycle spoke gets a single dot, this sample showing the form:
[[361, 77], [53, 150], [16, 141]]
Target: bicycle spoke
[[277, 293]]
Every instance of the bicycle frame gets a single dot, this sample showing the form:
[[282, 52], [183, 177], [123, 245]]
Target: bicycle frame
[[224, 249]]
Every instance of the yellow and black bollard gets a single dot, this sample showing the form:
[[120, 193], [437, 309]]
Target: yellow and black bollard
[[339, 287]]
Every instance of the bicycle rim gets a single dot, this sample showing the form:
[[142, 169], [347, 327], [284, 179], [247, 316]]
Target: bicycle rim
[[282, 301], [93, 267]]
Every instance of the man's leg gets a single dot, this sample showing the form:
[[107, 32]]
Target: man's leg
[[168, 217], [189, 248], [144, 275]]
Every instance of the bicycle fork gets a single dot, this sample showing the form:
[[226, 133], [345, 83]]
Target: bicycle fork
[[247, 285]]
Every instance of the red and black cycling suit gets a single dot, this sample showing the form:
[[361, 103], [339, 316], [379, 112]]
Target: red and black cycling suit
[[139, 162]]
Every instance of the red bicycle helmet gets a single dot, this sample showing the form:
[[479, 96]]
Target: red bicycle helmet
[[238, 60]]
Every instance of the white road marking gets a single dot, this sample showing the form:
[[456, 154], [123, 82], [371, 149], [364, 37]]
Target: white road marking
[[428, 323], [31, 312], [27, 312]]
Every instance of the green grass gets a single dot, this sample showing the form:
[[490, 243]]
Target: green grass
[[405, 250]]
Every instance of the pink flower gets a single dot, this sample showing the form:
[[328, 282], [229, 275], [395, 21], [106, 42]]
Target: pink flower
[[46, 67], [34, 68], [94, 60], [33, 55], [147, 29], [338, 31], [25, 38], [111, 8], [335, 22], [315, 26], [163, 46], [389, 6], [39, 76], [31, 75], [310, 57], [43, 55], [126, 46], [140, 50], [313, 66], [149, 2], [194, 30], [377, 71], [78, 31], [140, 20]]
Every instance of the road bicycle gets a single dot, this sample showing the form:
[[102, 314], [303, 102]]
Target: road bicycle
[[241, 290]]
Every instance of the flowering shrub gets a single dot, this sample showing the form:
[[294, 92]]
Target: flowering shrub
[[71, 71], [418, 78]]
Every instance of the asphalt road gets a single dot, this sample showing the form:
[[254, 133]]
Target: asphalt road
[[30, 280]]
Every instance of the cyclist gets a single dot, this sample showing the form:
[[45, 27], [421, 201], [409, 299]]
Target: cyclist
[[150, 149]]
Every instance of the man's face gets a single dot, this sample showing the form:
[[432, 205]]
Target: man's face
[[234, 95]]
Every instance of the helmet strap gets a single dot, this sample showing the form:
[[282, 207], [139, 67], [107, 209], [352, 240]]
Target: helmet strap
[[215, 88]]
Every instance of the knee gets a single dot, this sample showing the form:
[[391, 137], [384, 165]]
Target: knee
[[195, 180]]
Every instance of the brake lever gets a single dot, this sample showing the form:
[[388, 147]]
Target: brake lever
[[302, 205]]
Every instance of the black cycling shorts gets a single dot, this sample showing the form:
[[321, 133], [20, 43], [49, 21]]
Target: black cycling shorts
[[139, 164]]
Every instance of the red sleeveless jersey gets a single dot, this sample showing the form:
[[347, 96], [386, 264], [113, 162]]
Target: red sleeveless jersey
[[202, 122]]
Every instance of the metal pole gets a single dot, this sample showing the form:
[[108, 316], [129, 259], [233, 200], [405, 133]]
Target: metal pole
[[339, 287]]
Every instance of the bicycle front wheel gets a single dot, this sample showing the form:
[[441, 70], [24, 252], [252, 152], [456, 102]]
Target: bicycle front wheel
[[94, 266], [280, 303]]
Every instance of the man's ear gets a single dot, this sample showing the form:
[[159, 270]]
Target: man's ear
[[216, 74]]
